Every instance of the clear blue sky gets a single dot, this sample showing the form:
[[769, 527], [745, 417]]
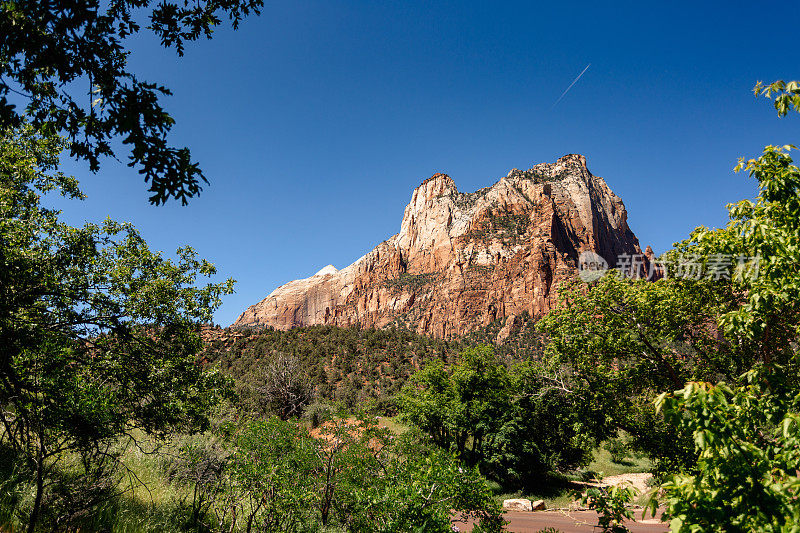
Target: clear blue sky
[[315, 121]]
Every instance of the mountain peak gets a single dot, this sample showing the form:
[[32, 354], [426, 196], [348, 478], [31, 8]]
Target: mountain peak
[[465, 260], [572, 160], [330, 269], [437, 185]]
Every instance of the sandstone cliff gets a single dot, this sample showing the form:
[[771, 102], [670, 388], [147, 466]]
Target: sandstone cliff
[[463, 260]]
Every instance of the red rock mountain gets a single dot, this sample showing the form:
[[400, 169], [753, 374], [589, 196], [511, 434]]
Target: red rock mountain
[[463, 260]]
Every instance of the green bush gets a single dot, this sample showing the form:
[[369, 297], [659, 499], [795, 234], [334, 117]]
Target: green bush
[[611, 505]]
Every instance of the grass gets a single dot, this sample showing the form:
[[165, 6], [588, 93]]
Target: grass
[[146, 501], [559, 492], [603, 464], [152, 503], [392, 424]]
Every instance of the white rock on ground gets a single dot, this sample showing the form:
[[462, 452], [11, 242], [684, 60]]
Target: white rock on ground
[[518, 504]]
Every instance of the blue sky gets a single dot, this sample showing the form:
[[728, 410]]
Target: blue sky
[[315, 121]]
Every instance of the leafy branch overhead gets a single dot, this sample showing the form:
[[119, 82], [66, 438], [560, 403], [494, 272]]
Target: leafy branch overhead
[[787, 95], [64, 68]]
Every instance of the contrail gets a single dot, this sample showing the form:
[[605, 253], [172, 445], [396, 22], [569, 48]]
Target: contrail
[[571, 84]]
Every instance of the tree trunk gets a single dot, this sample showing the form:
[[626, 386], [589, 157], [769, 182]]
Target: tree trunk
[[37, 502]]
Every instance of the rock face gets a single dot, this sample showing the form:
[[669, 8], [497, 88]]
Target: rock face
[[464, 260]]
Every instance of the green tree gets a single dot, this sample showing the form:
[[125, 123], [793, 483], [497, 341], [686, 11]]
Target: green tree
[[747, 435], [463, 408], [352, 475], [541, 431], [98, 333], [510, 422], [68, 60], [618, 343], [271, 478], [427, 401]]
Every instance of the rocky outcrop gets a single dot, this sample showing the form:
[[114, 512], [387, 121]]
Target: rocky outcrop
[[464, 260]]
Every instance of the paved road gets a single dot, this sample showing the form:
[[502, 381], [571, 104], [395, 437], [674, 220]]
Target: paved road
[[572, 522]]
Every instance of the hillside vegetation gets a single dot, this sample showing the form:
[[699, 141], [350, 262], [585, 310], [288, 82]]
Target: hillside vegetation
[[353, 365]]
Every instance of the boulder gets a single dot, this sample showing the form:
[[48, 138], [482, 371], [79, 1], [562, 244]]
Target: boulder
[[538, 505], [518, 504]]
